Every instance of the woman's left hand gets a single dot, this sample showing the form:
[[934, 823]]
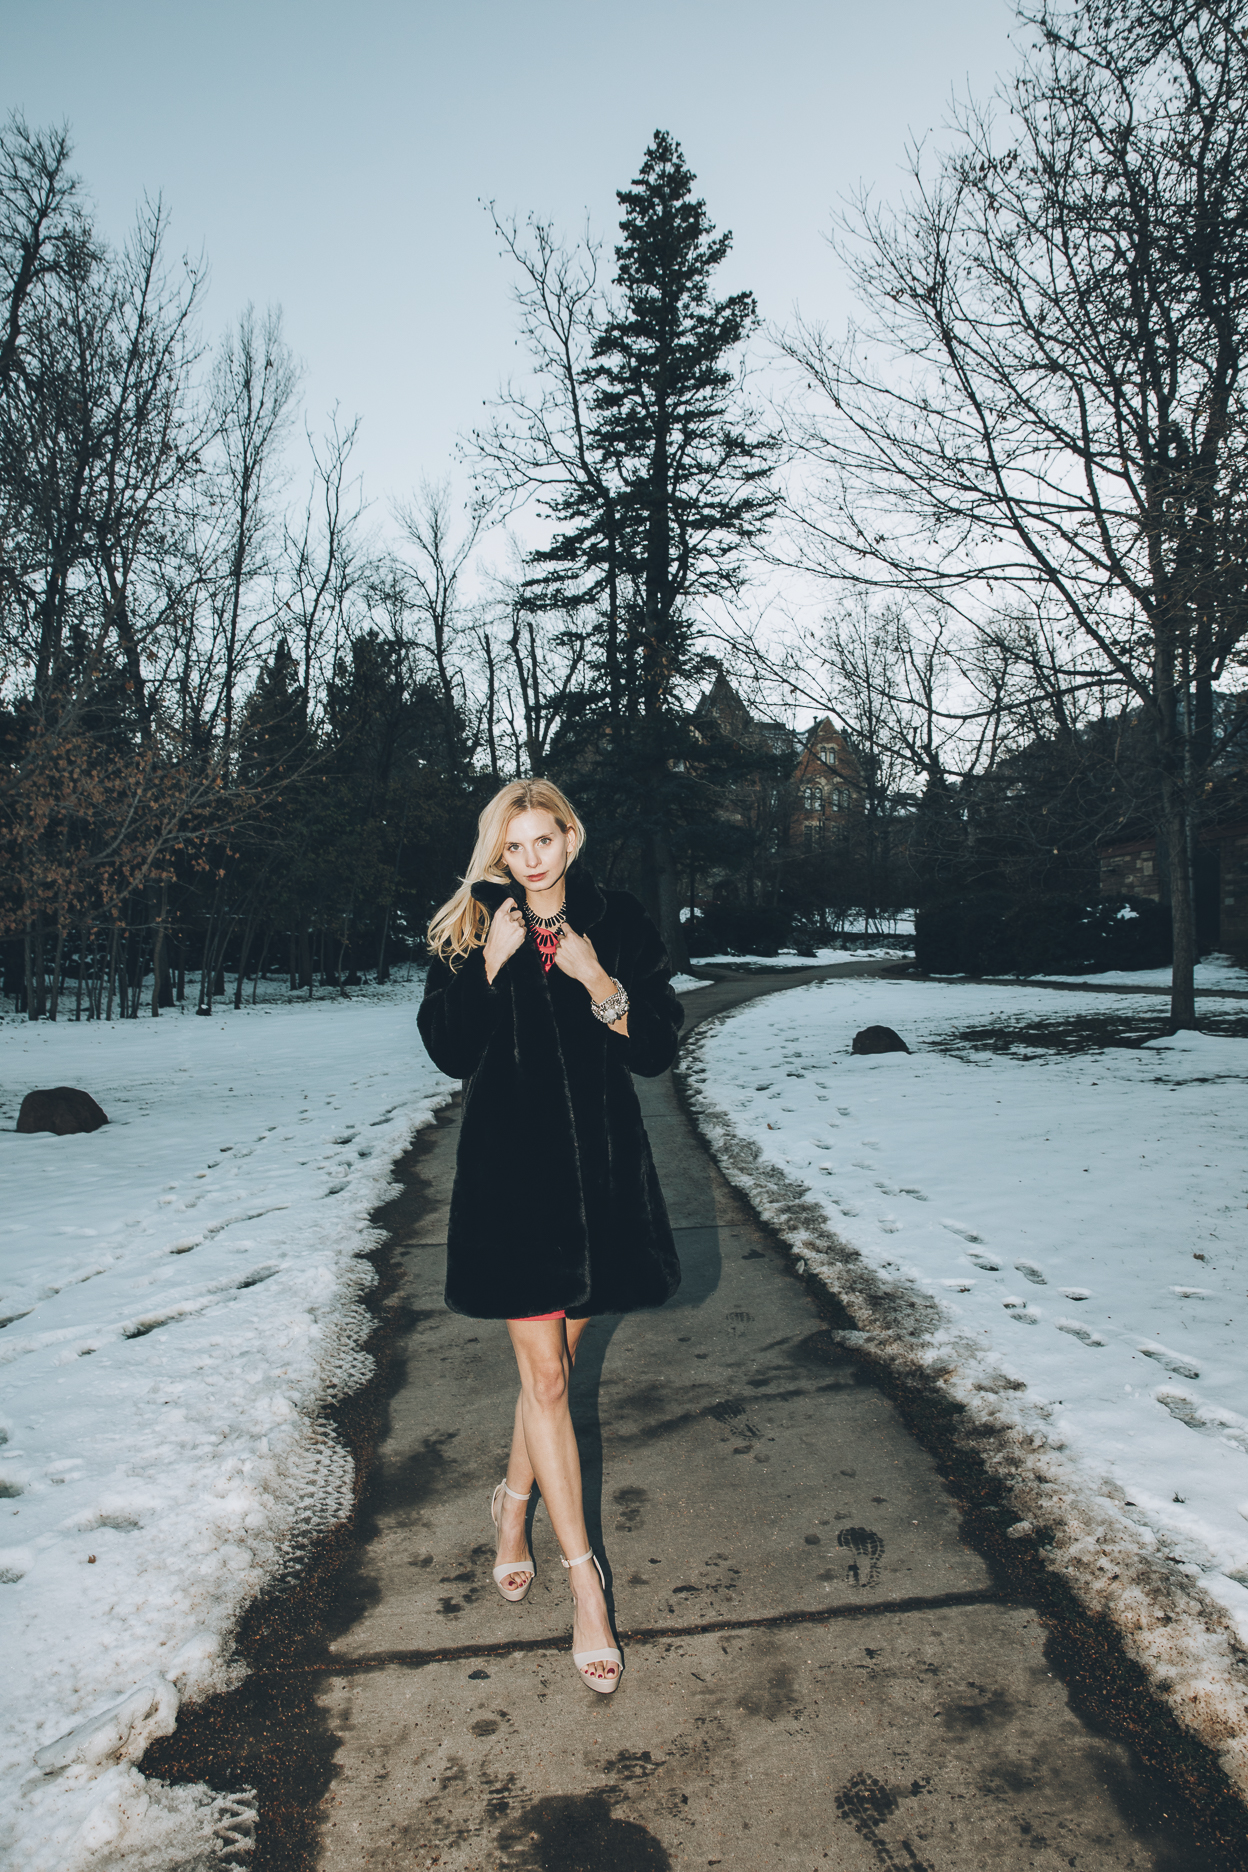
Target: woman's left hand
[[577, 957]]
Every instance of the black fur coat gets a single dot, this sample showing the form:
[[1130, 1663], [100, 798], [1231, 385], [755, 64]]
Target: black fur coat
[[556, 1202]]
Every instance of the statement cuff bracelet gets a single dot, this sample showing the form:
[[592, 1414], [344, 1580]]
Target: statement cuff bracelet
[[613, 1007]]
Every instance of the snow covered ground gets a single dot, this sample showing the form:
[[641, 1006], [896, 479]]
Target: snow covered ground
[[790, 959], [1058, 1239], [1216, 971], [180, 1294]]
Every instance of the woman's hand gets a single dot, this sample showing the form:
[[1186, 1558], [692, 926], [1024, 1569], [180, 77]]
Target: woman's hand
[[504, 936], [577, 957]]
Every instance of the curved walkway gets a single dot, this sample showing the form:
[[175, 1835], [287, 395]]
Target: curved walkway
[[819, 1672]]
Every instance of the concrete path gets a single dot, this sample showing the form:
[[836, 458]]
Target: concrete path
[[819, 1672]]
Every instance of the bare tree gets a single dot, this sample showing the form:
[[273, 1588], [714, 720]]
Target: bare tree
[[434, 568], [324, 560], [44, 228], [254, 386], [1049, 396]]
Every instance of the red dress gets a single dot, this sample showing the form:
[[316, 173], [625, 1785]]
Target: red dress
[[547, 941]]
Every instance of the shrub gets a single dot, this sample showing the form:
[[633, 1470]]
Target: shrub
[[992, 934], [962, 935], [739, 929]]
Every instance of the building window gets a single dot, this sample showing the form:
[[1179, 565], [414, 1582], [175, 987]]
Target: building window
[[827, 754], [812, 799]]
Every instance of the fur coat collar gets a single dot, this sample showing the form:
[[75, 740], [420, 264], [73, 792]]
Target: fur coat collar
[[584, 903]]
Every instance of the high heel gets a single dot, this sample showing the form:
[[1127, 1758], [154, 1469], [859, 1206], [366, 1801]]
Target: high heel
[[603, 1652], [508, 1567]]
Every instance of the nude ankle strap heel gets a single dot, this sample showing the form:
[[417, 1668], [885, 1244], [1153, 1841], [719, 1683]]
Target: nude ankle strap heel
[[513, 1594], [603, 1653]]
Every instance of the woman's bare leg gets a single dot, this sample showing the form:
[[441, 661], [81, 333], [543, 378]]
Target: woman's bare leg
[[520, 1472], [512, 1544], [544, 1446]]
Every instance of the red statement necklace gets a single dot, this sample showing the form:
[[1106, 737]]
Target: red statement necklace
[[546, 933]]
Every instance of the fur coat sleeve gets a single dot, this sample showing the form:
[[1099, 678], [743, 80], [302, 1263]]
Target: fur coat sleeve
[[458, 1014], [655, 1016]]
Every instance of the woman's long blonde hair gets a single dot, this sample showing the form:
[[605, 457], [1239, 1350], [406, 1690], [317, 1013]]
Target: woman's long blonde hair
[[459, 926]]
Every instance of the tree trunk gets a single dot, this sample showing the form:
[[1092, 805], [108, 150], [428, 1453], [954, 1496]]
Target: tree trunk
[[28, 956], [264, 953], [249, 930], [55, 998], [204, 1004], [112, 967], [665, 901], [1182, 919], [41, 991], [134, 957], [383, 967], [158, 953]]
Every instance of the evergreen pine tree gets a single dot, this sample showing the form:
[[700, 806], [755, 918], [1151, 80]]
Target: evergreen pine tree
[[678, 491]]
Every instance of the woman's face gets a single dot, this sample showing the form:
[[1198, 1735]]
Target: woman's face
[[535, 851]]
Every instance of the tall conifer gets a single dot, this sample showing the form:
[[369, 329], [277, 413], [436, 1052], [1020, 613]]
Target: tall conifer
[[678, 490]]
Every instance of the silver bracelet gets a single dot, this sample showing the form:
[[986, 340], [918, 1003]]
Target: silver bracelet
[[614, 1007]]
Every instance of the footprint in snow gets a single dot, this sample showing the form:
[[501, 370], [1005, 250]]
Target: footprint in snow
[[965, 1234], [1019, 1310], [1170, 1360], [916, 1193], [1031, 1272], [1198, 1416], [888, 1224], [1077, 1331], [1077, 1293]]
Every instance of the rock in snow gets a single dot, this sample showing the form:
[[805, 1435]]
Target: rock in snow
[[878, 1040], [63, 1109]]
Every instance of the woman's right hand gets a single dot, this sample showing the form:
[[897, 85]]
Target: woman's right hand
[[504, 936]]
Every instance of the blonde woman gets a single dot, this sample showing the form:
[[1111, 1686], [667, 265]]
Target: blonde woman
[[545, 994]]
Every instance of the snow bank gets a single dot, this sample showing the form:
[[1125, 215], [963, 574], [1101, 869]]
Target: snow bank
[[180, 1294], [1058, 1241]]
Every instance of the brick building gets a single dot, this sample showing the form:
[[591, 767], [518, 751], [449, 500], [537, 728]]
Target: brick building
[[1135, 868], [827, 789], [804, 793]]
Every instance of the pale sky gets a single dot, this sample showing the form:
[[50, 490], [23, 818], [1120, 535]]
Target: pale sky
[[333, 158]]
